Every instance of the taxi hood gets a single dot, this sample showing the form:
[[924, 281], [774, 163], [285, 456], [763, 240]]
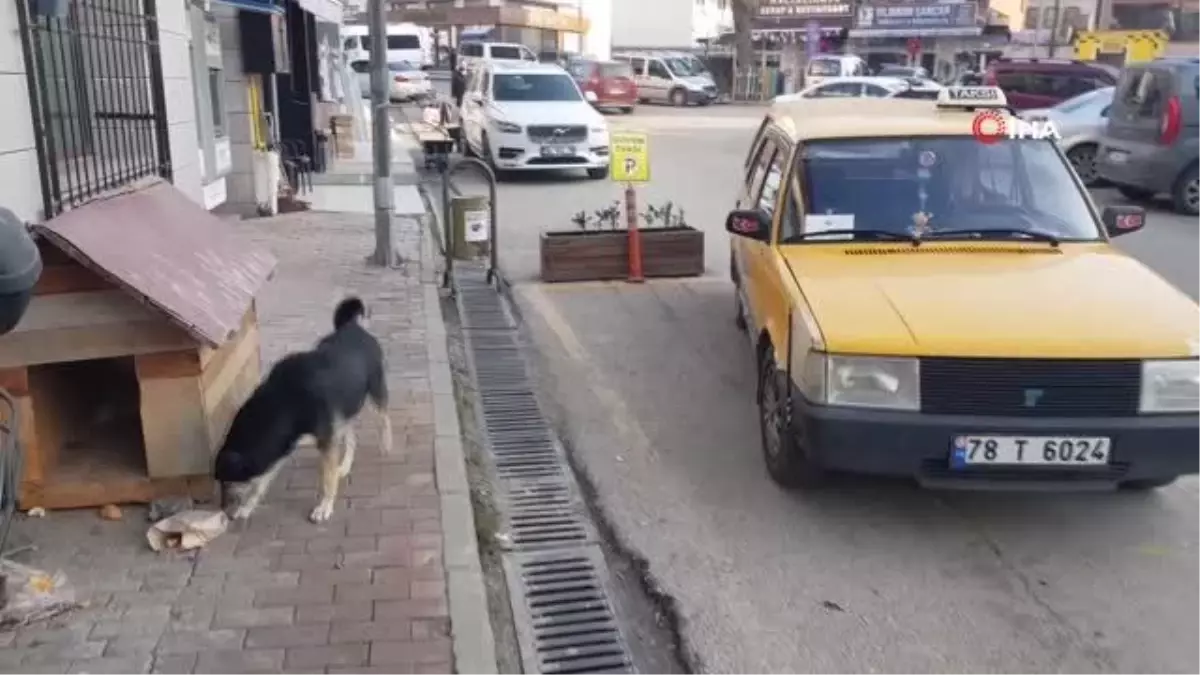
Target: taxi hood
[[999, 300]]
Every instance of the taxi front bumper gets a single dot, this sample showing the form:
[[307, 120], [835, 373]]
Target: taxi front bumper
[[910, 444]]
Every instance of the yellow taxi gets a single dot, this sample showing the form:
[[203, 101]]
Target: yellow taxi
[[926, 303]]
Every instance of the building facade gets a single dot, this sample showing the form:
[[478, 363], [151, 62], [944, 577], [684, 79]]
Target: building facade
[[668, 24]]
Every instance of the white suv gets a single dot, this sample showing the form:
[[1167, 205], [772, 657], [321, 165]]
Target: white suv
[[532, 117]]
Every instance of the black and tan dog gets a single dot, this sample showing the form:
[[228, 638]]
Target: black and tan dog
[[316, 393]]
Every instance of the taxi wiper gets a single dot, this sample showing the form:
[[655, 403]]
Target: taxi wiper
[[994, 232], [873, 234]]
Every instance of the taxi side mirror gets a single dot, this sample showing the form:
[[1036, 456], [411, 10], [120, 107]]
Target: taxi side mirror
[[749, 223], [1119, 220]]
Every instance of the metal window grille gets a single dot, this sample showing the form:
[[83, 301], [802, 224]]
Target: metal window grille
[[96, 91]]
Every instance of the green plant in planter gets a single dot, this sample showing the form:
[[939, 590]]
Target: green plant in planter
[[663, 216], [610, 216], [581, 220]]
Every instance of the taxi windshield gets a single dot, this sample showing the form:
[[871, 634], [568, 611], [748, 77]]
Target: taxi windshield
[[952, 185]]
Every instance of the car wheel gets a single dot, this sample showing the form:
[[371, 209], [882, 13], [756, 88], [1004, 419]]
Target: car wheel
[[787, 463], [627, 110], [1186, 193], [679, 97], [1083, 158], [1145, 484], [1136, 194], [598, 173]]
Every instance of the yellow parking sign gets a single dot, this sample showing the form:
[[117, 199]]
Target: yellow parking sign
[[630, 158]]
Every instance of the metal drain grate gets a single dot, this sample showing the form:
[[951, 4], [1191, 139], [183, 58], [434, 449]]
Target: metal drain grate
[[543, 513], [568, 624], [556, 572]]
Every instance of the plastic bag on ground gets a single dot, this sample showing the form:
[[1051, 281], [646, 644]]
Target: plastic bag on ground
[[187, 530], [33, 595]]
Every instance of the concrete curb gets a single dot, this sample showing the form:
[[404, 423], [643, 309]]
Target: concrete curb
[[470, 622]]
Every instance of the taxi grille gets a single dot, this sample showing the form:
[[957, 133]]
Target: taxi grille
[[1030, 387]]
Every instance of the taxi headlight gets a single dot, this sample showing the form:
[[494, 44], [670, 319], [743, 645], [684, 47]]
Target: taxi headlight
[[873, 382], [1170, 386]]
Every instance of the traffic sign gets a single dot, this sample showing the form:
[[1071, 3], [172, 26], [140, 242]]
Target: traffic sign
[[630, 158]]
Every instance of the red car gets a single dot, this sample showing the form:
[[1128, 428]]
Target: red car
[[606, 84], [1042, 83]]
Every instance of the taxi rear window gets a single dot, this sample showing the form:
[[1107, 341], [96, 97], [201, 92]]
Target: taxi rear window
[[947, 183]]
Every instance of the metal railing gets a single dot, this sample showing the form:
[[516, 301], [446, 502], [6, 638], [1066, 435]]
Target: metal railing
[[95, 80]]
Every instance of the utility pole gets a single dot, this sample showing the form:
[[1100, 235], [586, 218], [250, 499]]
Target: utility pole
[[381, 136], [1054, 29]]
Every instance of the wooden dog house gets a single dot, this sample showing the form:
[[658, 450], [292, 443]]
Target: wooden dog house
[[139, 344]]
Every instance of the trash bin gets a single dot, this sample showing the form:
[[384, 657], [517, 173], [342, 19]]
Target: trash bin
[[470, 220]]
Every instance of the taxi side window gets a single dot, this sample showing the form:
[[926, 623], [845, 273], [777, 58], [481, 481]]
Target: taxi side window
[[771, 184], [762, 161]]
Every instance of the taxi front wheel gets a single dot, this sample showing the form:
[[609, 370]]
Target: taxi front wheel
[[787, 462]]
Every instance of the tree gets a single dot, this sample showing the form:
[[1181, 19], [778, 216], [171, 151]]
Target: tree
[[743, 15]]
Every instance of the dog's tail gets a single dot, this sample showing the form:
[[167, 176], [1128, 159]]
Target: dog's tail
[[350, 309]]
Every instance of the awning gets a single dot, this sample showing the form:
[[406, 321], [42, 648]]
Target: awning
[[260, 6], [962, 31], [329, 11], [795, 34]]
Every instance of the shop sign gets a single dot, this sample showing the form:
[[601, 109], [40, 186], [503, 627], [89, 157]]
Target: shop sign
[[789, 11], [923, 14]]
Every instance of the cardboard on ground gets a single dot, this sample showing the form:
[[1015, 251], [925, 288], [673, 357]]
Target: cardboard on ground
[[630, 161]]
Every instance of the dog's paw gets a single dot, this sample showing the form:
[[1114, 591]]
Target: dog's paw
[[321, 512], [242, 513], [343, 470]]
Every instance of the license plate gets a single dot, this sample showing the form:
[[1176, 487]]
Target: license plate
[[1056, 451], [1118, 157], [558, 151]]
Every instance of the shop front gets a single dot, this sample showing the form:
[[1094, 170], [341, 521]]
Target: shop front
[[545, 30], [786, 32], [945, 37]]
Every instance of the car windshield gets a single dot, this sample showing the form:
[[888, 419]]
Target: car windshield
[[1102, 96], [926, 185], [506, 53], [824, 67], [682, 67], [615, 69], [403, 42], [534, 87]]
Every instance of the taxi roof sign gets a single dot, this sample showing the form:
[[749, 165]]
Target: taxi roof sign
[[972, 97]]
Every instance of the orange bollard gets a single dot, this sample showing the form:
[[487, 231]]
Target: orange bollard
[[635, 239]]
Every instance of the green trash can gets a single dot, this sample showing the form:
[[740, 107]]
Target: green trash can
[[471, 223]]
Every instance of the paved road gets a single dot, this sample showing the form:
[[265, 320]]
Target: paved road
[[653, 387]]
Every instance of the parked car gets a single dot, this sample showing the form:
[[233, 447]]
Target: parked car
[[606, 84], [825, 66], [1080, 122], [670, 78], [470, 53], [532, 117], [869, 87], [1150, 144], [1041, 83], [895, 70], [408, 81]]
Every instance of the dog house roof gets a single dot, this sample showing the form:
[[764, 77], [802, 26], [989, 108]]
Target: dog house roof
[[168, 251]]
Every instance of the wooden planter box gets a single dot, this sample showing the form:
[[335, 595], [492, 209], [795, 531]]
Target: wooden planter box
[[600, 255]]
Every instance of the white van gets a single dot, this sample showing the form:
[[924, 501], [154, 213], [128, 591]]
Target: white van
[[470, 53], [824, 66], [405, 42]]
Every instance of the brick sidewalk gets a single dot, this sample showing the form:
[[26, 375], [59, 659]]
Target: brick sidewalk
[[365, 592]]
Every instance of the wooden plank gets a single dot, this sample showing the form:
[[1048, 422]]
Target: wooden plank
[[48, 391], [33, 468], [15, 381], [69, 278], [210, 357], [167, 365], [604, 255], [174, 427], [90, 342], [230, 391], [58, 495], [77, 310]]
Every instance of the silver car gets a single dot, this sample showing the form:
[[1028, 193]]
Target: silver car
[[1080, 122]]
